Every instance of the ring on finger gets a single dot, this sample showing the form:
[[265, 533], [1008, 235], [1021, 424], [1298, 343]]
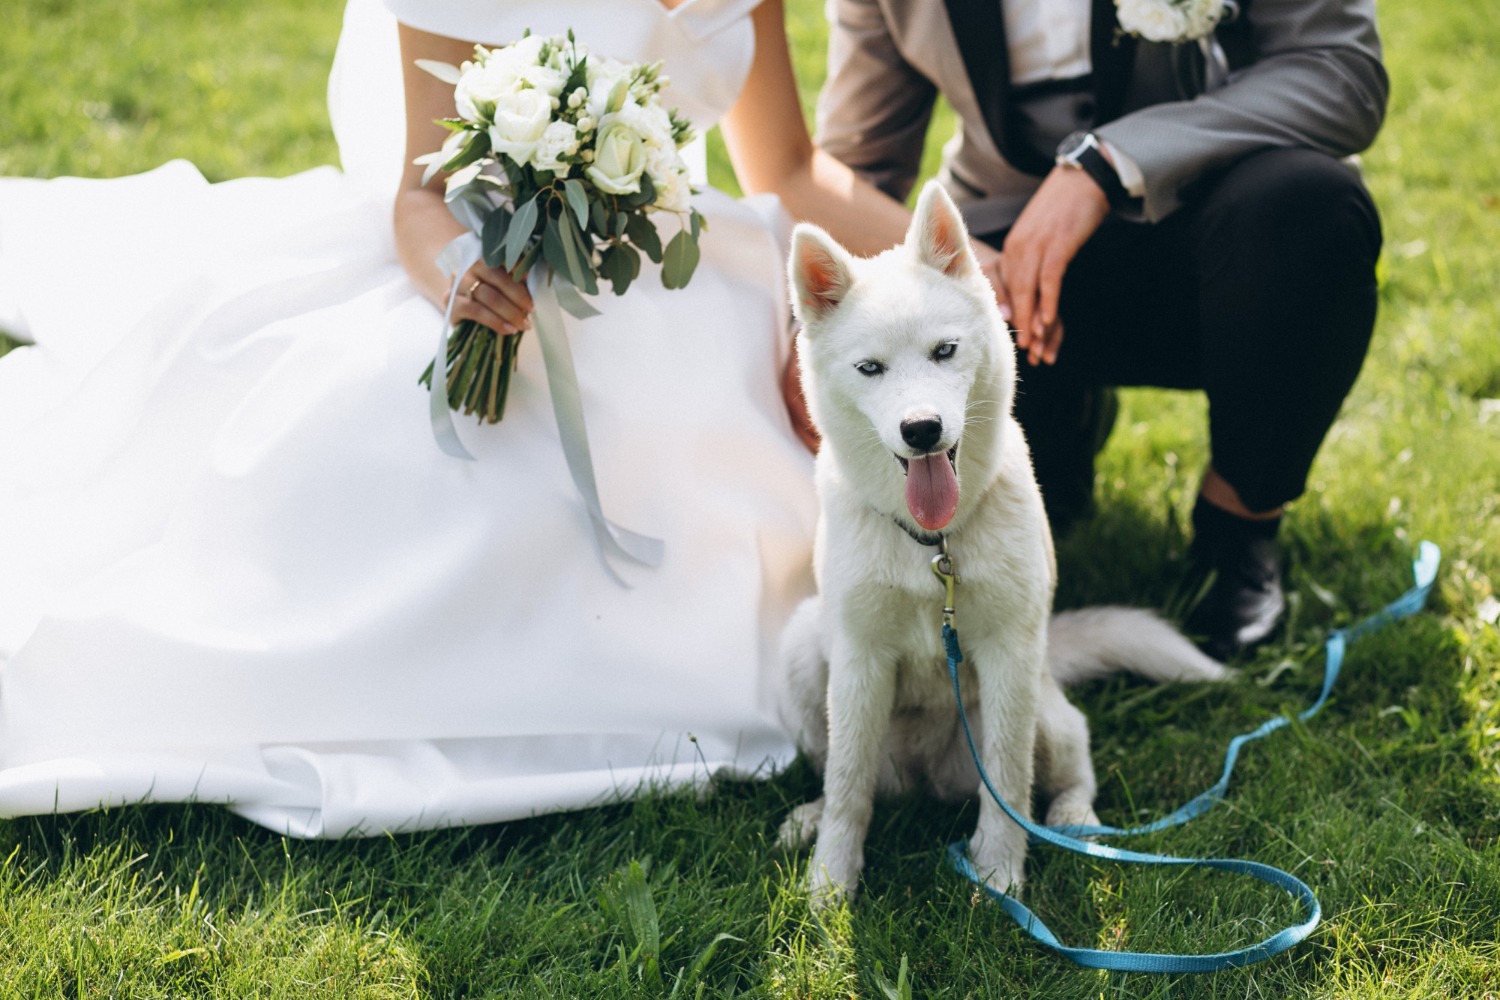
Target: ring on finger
[[474, 287]]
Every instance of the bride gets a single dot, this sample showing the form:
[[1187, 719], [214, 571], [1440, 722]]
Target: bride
[[236, 568]]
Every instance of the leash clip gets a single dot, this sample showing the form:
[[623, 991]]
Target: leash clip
[[942, 568]]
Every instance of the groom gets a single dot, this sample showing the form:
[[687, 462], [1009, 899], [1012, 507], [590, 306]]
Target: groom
[[1164, 215]]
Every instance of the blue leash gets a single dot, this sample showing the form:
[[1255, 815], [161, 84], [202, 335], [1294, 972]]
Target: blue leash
[[1424, 569]]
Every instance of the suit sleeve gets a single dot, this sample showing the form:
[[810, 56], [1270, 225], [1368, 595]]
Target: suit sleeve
[[874, 108], [1318, 83]]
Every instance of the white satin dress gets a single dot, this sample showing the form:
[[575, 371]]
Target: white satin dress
[[236, 568]]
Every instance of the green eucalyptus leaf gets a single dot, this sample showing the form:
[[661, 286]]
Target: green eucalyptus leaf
[[617, 268], [492, 236], [645, 196], [598, 218], [552, 247], [642, 233], [528, 258], [473, 150], [522, 226], [578, 200], [580, 263], [680, 260]]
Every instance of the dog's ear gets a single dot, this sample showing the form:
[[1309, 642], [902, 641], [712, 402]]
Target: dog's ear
[[821, 273], [939, 235]]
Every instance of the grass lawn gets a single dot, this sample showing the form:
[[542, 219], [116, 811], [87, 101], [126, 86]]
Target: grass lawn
[[1387, 804]]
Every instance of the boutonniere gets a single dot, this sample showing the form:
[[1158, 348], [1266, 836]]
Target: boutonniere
[[1174, 20]]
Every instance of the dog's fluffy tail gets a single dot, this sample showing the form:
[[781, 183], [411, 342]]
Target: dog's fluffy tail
[[1097, 642]]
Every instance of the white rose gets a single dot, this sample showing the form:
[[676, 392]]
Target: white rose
[[673, 192], [559, 140], [608, 82], [523, 52], [545, 78], [651, 122], [619, 158], [1202, 16], [521, 119], [1153, 20], [483, 84]]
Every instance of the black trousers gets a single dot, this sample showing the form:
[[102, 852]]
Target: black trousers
[[1260, 291]]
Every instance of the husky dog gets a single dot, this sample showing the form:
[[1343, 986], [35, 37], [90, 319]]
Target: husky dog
[[909, 373]]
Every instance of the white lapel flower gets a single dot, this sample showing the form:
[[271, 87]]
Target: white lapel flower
[[1170, 20]]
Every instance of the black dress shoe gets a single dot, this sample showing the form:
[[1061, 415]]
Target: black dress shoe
[[1235, 566]]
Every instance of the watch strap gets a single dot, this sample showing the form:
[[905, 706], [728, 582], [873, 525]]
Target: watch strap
[[1091, 161]]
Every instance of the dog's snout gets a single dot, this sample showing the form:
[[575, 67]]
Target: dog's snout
[[922, 433]]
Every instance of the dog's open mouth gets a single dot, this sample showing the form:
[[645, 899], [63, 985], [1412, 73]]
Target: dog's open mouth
[[932, 488]]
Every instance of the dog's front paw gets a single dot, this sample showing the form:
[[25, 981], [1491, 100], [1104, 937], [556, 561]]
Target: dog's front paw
[[800, 826], [1070, 811], [832, 878], [1000, 860]]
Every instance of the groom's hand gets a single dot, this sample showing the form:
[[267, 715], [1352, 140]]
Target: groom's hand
[[989, 265], [1058, 220]]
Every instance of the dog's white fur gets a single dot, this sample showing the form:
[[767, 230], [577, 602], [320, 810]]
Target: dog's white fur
[[868, 693]]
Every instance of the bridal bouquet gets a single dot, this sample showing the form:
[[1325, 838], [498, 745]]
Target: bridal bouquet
[[1172, 20], [563, 158]]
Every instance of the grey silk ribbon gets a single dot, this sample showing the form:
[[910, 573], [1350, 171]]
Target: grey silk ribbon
[[551, 294], [455, 258]]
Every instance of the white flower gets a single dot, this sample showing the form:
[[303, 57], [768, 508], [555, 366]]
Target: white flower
[[651, 122], [522, 52], [480, 87], [497, 73], [619, 160], [609, 85], [521, 119], [1169, 20], [559, 140], [668, 172], [673, 192], [452, 146], [548, 79]]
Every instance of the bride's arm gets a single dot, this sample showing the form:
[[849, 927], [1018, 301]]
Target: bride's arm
[[771, 151], [423, 223]]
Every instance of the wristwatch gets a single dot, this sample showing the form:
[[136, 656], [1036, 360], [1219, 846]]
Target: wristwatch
[[1080, 151]]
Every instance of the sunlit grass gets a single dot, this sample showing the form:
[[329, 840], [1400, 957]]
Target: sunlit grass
[[1387, 804]]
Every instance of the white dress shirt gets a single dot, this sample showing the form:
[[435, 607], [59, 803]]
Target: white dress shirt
[[1049, 40]]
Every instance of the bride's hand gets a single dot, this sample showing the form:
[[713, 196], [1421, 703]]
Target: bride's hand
[[423, 224], [492, 297]]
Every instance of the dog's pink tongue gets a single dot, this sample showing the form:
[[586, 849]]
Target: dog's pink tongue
[[931, 491]]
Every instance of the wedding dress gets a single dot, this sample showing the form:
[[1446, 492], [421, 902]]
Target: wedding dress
[[236, 568]]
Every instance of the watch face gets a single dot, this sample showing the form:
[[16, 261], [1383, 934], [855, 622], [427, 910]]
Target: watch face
[[1074, 144]]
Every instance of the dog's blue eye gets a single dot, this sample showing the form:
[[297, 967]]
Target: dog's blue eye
[[945, 351], [869, 367]]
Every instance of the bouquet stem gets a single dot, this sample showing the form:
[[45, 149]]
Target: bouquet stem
[[478, 366]]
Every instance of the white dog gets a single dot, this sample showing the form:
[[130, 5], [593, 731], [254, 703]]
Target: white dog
[[909, 374]]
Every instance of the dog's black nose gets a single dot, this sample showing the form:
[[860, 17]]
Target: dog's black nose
[[922, 433]]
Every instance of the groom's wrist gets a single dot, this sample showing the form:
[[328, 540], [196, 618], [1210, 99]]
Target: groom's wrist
[[1084, 152]]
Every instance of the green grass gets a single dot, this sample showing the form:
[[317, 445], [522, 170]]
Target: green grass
[[1388, 804]]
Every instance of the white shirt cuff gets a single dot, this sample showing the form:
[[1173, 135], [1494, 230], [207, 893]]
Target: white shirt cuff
[[1130, 175]]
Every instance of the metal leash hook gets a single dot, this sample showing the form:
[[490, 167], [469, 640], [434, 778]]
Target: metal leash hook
[[942, 568]]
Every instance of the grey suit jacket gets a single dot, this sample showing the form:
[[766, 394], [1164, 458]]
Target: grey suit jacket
[[1309, 76]]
